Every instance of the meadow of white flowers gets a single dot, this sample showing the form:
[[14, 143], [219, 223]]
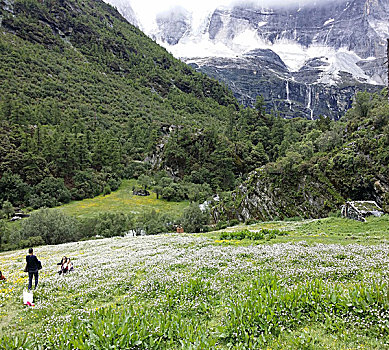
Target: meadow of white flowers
[[211, 281]]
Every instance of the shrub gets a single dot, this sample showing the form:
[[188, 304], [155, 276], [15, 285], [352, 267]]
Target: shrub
[[31, 242], [241, 235], [107, 190], [3, 233], [270, 234], [174, 192], [13, 189], [89, 183], [52, 225], [221, 225], [250, 222], [294, 218], [168, 193], [335, 214], [50, 192], [233, 222], [153, 223], [135, 169], [256, 236], [253, 235], [283, 233], [225, 235], [194, 219], [107, 225], [8, 209]]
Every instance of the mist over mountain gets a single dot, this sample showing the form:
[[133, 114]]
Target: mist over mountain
[[305, 57]]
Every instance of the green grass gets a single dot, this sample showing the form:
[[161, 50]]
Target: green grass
[[313, 284], [328, 230], [122, 201], [182, 291]]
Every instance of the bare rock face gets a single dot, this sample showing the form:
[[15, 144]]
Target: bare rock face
[[306, 59], [291, 94], [358, 25], [173, 25], [269, 196], [325, 82]]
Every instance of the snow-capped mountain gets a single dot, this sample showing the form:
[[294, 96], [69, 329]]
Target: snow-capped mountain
[[306, 58], [126, 10]]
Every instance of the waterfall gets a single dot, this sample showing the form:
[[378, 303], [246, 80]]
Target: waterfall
[[287, 94], [309, 98]]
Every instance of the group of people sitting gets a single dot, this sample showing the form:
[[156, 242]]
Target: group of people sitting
[[65, 266]]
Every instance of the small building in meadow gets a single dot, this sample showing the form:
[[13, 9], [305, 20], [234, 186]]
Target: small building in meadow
[[359, 210]]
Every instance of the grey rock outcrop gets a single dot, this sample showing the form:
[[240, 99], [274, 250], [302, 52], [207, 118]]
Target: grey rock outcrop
[[357, 25], [270, 196], [291, 94]]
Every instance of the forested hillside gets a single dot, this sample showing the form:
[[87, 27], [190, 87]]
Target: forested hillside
[[84, 94], [317, 173], [87, 99]]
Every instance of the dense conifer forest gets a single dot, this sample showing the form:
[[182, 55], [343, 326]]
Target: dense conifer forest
[[87, 100]]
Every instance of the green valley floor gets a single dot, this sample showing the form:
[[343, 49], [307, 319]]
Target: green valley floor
[[324, 285]]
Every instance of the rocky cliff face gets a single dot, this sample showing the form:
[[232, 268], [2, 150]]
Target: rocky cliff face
[[291, 94], [173, 25], [306, 60], [266, 196], [273, 196], [357, 25]]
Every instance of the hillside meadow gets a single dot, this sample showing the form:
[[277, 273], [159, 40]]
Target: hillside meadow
[[183, 291], [122, 201]]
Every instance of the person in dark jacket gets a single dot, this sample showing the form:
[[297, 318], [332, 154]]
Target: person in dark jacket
[[33, 265]]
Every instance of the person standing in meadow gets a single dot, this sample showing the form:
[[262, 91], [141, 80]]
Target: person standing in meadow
[[33, 265]]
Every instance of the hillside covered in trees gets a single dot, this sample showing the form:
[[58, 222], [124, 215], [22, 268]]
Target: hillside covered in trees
[[320, 167], [87, 100], [84, 94]]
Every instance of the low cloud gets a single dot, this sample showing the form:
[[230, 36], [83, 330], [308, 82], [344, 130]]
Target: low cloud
[[147, 11]]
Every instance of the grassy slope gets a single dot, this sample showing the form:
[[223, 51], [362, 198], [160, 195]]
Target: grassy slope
[[329, 230], [122, 201], [196, 277]]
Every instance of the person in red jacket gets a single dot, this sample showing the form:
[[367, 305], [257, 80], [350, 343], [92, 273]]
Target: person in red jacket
[[33, 265]]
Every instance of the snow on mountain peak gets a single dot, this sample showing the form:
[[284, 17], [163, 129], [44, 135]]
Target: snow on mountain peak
[[297, 30], [305, 57]]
